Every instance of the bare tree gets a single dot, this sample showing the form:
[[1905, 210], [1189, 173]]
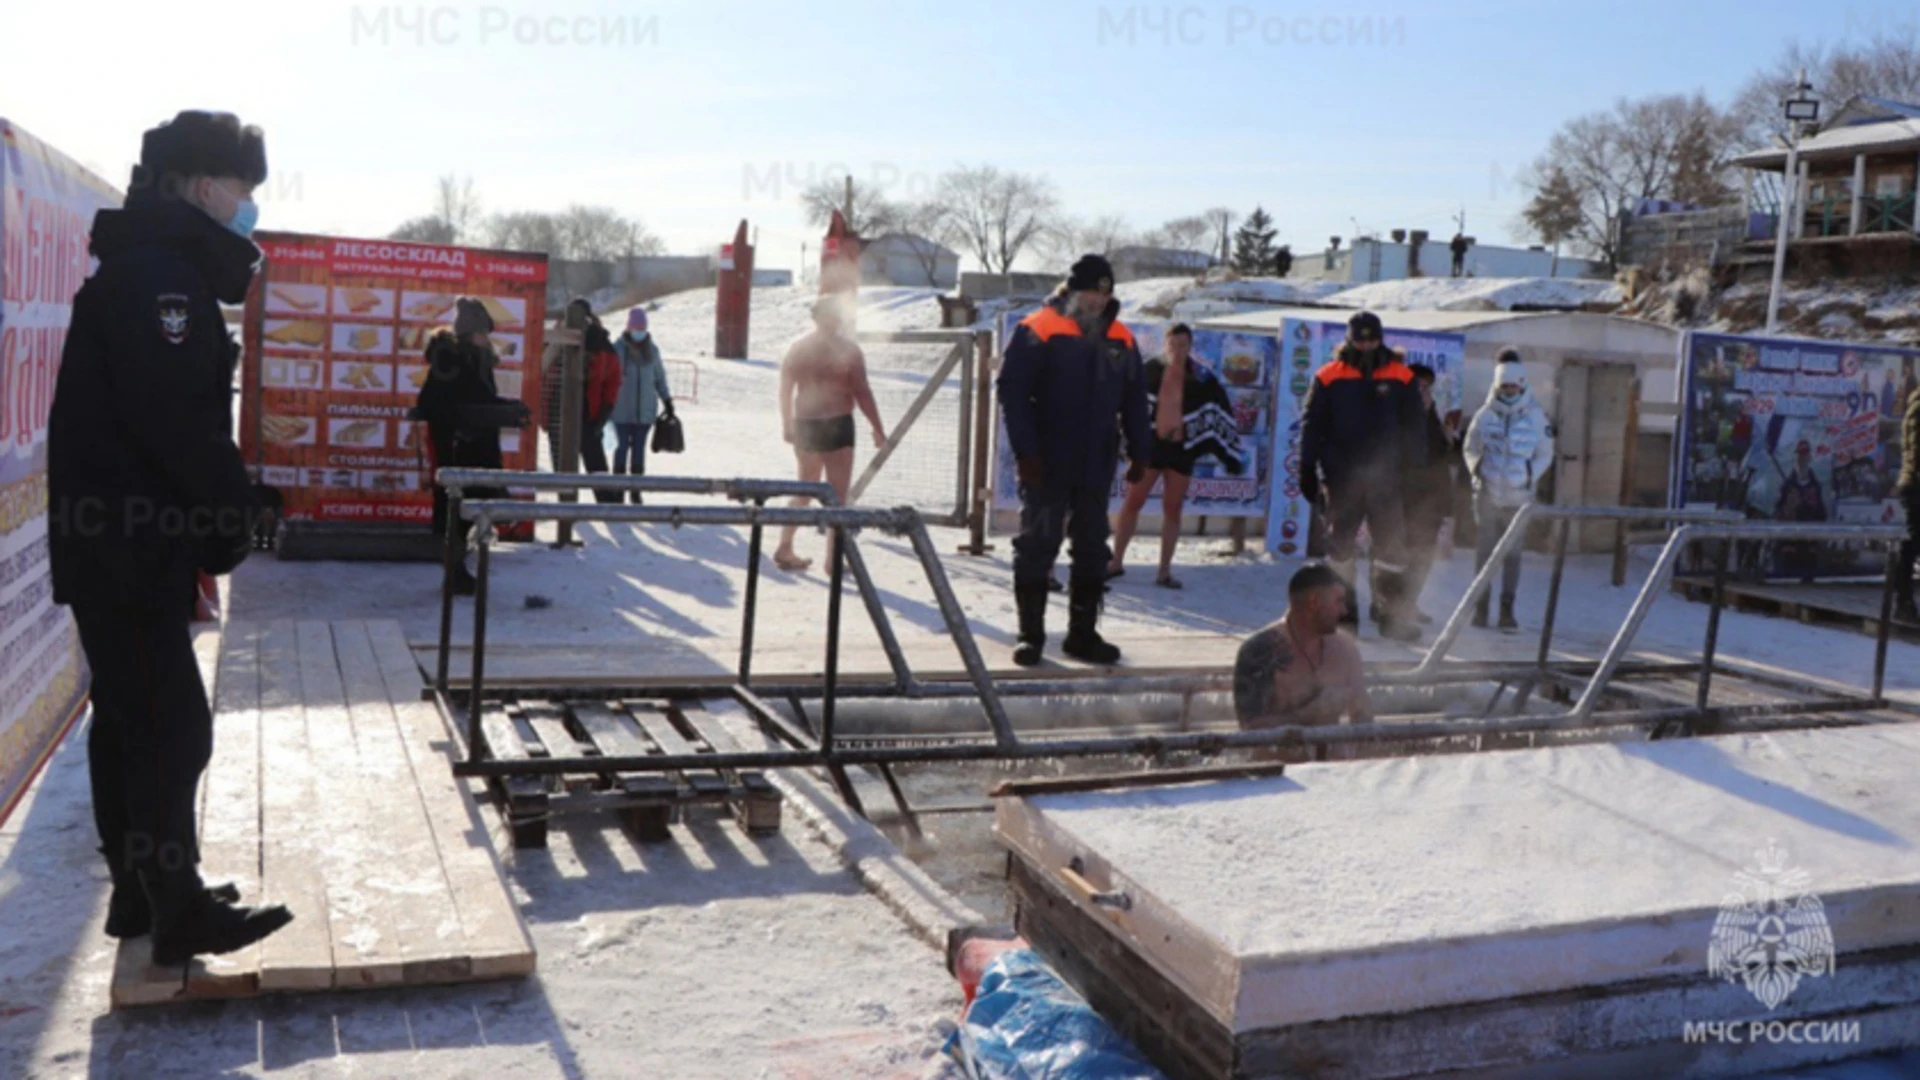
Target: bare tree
[[873, 214], [601, 233], [1669, 146], [1885, 65], [1220, 221], [1194, 233], [924, 223], [456, 204], [996, 215], [1068, 238], [425, 229], [527, 230]]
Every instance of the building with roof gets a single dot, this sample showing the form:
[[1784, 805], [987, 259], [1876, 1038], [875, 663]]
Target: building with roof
[[1372, 258], [1137, 262], [906, 259], [1856, 176]]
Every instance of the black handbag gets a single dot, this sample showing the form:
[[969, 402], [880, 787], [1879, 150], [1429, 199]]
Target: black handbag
[[668, 438]]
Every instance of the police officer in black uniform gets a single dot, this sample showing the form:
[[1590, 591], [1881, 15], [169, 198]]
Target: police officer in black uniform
[[146, 491], [1071, 387]]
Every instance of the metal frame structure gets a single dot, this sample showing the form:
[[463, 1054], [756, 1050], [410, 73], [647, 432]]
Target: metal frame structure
[[961, 344], [823, 747]]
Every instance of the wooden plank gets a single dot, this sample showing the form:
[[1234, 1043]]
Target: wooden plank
[[497, 942], [1111, 781], [661, 730], [616, 734], [549, 725], [407, 884], [365, 945], [230, 825], [294, 823]]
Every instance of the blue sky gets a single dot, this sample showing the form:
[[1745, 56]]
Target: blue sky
[[1385, 115]]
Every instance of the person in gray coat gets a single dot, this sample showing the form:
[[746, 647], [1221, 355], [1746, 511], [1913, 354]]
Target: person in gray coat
[[643, 398]]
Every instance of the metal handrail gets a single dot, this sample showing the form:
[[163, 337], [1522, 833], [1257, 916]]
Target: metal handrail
[[459, 480], [1516, 534], [1662, 575]]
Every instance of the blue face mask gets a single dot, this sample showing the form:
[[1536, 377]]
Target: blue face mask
[[637, 335], [245, 218]]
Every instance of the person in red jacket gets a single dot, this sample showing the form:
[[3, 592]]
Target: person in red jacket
[[603, 386]]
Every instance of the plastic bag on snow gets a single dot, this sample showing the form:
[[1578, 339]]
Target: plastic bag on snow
[[1026, 1024]]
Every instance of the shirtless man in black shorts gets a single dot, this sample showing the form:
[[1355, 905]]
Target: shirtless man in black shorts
[[822, 379], [1302, 669]]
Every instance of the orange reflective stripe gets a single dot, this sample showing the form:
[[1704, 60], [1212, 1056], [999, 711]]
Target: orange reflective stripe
[[1396, 371], [1118, 332], [1046, 322], [1334, 371]]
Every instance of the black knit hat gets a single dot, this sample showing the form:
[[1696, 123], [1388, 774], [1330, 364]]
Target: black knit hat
[[196, 143], [470, 317], [1364, 325], [1091, 272]]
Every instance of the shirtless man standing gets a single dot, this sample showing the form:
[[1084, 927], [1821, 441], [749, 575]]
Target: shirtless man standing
[[822, 378], [1302, 669]]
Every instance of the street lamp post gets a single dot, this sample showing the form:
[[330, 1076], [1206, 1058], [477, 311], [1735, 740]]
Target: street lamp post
[[1801, 108]]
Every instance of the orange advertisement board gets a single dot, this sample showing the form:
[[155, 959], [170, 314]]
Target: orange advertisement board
[[336, 333]]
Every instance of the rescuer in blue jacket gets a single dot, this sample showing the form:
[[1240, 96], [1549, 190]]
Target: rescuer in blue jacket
[[1071, 387]]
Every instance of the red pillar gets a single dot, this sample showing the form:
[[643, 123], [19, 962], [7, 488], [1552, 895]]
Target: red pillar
[[735, 298]]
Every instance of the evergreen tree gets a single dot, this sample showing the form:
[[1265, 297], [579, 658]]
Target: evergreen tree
[[1555, 212], [1253, 243]]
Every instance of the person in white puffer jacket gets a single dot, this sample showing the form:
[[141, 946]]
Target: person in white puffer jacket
[[1508, 449]]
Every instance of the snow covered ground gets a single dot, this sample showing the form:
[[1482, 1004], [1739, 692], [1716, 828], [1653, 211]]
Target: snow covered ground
[[1477, 294]]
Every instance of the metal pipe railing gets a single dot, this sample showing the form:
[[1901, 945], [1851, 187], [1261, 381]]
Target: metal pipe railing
[[738, 489], [1516, 535], [1662, 575]]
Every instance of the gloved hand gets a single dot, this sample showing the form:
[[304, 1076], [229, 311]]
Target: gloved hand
[[1032, 471], [1309, 486], [1136, 472]]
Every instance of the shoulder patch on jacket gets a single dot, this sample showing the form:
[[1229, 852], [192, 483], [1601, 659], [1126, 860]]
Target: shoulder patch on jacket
[[1047, 323], [170, 310]]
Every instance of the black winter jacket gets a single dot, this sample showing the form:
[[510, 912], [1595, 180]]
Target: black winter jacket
[[1069, 400], [145, 485], [459, 378], [1364, 416]]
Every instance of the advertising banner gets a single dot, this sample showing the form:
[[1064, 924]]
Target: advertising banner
[[1304, 346], [47, 203], [1785, 429], [1247, 368], [336, 333]]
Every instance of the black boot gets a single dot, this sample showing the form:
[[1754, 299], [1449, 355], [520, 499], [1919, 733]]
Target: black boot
[[1031, 601], [1389, 587], [1480, 612], [128, 913], [189, 921], [1507, 621], [1083, 641], [464, 583]]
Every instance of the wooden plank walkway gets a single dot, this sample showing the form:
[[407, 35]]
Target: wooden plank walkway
[[330, 791], [1840, 604]]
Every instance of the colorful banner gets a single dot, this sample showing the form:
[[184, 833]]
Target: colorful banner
[[47, 204], [336, 332], [1248, 367], [1784, 429], [1305, 345]]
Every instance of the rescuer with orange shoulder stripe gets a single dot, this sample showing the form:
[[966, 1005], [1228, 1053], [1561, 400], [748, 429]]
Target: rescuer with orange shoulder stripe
[[1071, 387], [1365, 429]]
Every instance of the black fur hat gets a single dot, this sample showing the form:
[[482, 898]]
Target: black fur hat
[[196, 143]]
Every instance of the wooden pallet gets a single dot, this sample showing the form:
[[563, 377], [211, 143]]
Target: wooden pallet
[[647, 802], [1844, 605], [331, 791]]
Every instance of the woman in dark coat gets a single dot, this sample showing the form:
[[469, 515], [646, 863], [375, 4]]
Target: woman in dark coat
[[460, 367]]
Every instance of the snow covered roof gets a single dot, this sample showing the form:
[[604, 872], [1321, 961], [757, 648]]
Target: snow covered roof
[[1864, 124]]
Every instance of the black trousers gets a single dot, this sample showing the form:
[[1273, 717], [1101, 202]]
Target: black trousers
[[1373, 498], [1049, 516], [151, 735]]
